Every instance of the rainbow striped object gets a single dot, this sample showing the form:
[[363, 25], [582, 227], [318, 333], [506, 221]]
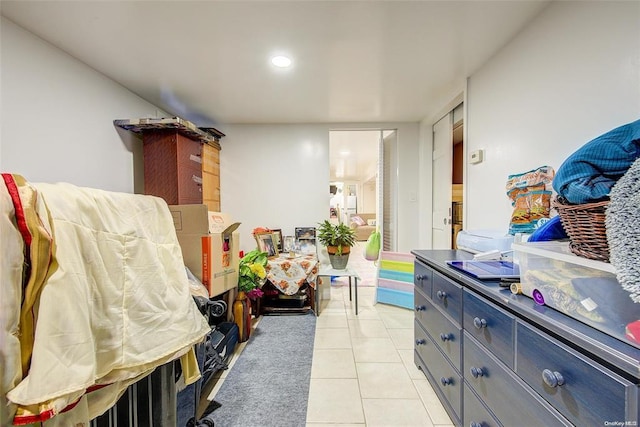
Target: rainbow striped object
[[395, 279]]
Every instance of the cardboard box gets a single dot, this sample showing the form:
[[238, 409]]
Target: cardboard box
[[209, 243]]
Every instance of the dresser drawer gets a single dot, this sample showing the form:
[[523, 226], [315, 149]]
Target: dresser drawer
[[581, 389], [188, 151], [210, 159], [421, 305], [441, 330], [189, 183], [447, 295], [423, 278], [475, 413], [446, 334], [210, 186], [491, 326], [440, 373], [511, 404]]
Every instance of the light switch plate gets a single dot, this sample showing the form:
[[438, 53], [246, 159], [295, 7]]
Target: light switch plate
[[476, 156]]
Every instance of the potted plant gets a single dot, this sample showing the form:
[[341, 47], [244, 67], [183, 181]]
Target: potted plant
[[251, 277], [251, 273], [338, 238]]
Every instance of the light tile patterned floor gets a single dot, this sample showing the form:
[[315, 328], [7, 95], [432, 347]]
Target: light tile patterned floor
[[363, 372]]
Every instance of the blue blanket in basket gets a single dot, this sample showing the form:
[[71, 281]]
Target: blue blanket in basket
[[589, 173]]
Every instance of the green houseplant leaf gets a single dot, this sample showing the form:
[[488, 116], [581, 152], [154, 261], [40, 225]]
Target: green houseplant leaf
[[249, 276], [339, 235]]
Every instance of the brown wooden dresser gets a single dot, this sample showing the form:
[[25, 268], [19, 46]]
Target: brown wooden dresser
[[181, 161]]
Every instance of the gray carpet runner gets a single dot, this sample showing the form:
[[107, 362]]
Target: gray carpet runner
[[269, 383]]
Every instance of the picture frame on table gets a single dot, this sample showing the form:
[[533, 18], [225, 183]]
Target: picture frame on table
[[305, 233], [277, 238], [266, 244], [307, 246]]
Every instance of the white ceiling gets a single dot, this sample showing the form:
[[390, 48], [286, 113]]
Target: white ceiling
[[353, 155], [353, 61]]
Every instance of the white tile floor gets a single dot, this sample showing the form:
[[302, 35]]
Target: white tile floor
[[363, 373]]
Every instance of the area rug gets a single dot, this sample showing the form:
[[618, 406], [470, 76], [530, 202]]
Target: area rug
[[269, 383]]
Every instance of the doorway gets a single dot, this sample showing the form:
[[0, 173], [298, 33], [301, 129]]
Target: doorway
[[361, 183], [447, 178]]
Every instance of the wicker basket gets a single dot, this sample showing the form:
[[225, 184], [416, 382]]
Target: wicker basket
[[585, 226]]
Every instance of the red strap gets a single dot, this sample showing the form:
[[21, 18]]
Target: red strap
[[17, 204], [20, 420], [48, 414]]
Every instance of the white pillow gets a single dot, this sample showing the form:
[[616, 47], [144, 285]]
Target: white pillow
[[358, 220]]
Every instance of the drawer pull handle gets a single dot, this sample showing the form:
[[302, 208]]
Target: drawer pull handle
[[479, 323], [552, 378], [446, 381], [420, 308], [421, 341], [441, 294], [446, 337], [420, 277], [475, 424], [476, 372]]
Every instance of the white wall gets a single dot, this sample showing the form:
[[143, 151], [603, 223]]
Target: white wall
[[57, 117], [570, 76], [277, 176], [368, 197], [57, 125]]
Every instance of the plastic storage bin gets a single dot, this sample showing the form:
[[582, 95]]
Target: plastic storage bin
[[476, 241], [584, 289]]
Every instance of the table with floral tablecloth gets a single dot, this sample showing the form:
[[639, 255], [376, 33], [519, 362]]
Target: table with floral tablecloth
[[289, 274]]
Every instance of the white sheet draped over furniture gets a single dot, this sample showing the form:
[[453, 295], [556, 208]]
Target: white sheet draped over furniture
[[289, 274], [115, 306]]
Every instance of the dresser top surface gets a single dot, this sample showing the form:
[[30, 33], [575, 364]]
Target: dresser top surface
[[619, 354]]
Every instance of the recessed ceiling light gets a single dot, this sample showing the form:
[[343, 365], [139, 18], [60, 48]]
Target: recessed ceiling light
[[281, 61]]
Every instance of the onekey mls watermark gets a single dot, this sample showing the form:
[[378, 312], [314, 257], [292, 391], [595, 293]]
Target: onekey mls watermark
[[621, 423]]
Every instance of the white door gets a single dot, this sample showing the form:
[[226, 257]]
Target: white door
[[442, 170], [387, 185]]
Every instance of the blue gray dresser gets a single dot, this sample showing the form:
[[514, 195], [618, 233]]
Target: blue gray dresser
[[499, 359]]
